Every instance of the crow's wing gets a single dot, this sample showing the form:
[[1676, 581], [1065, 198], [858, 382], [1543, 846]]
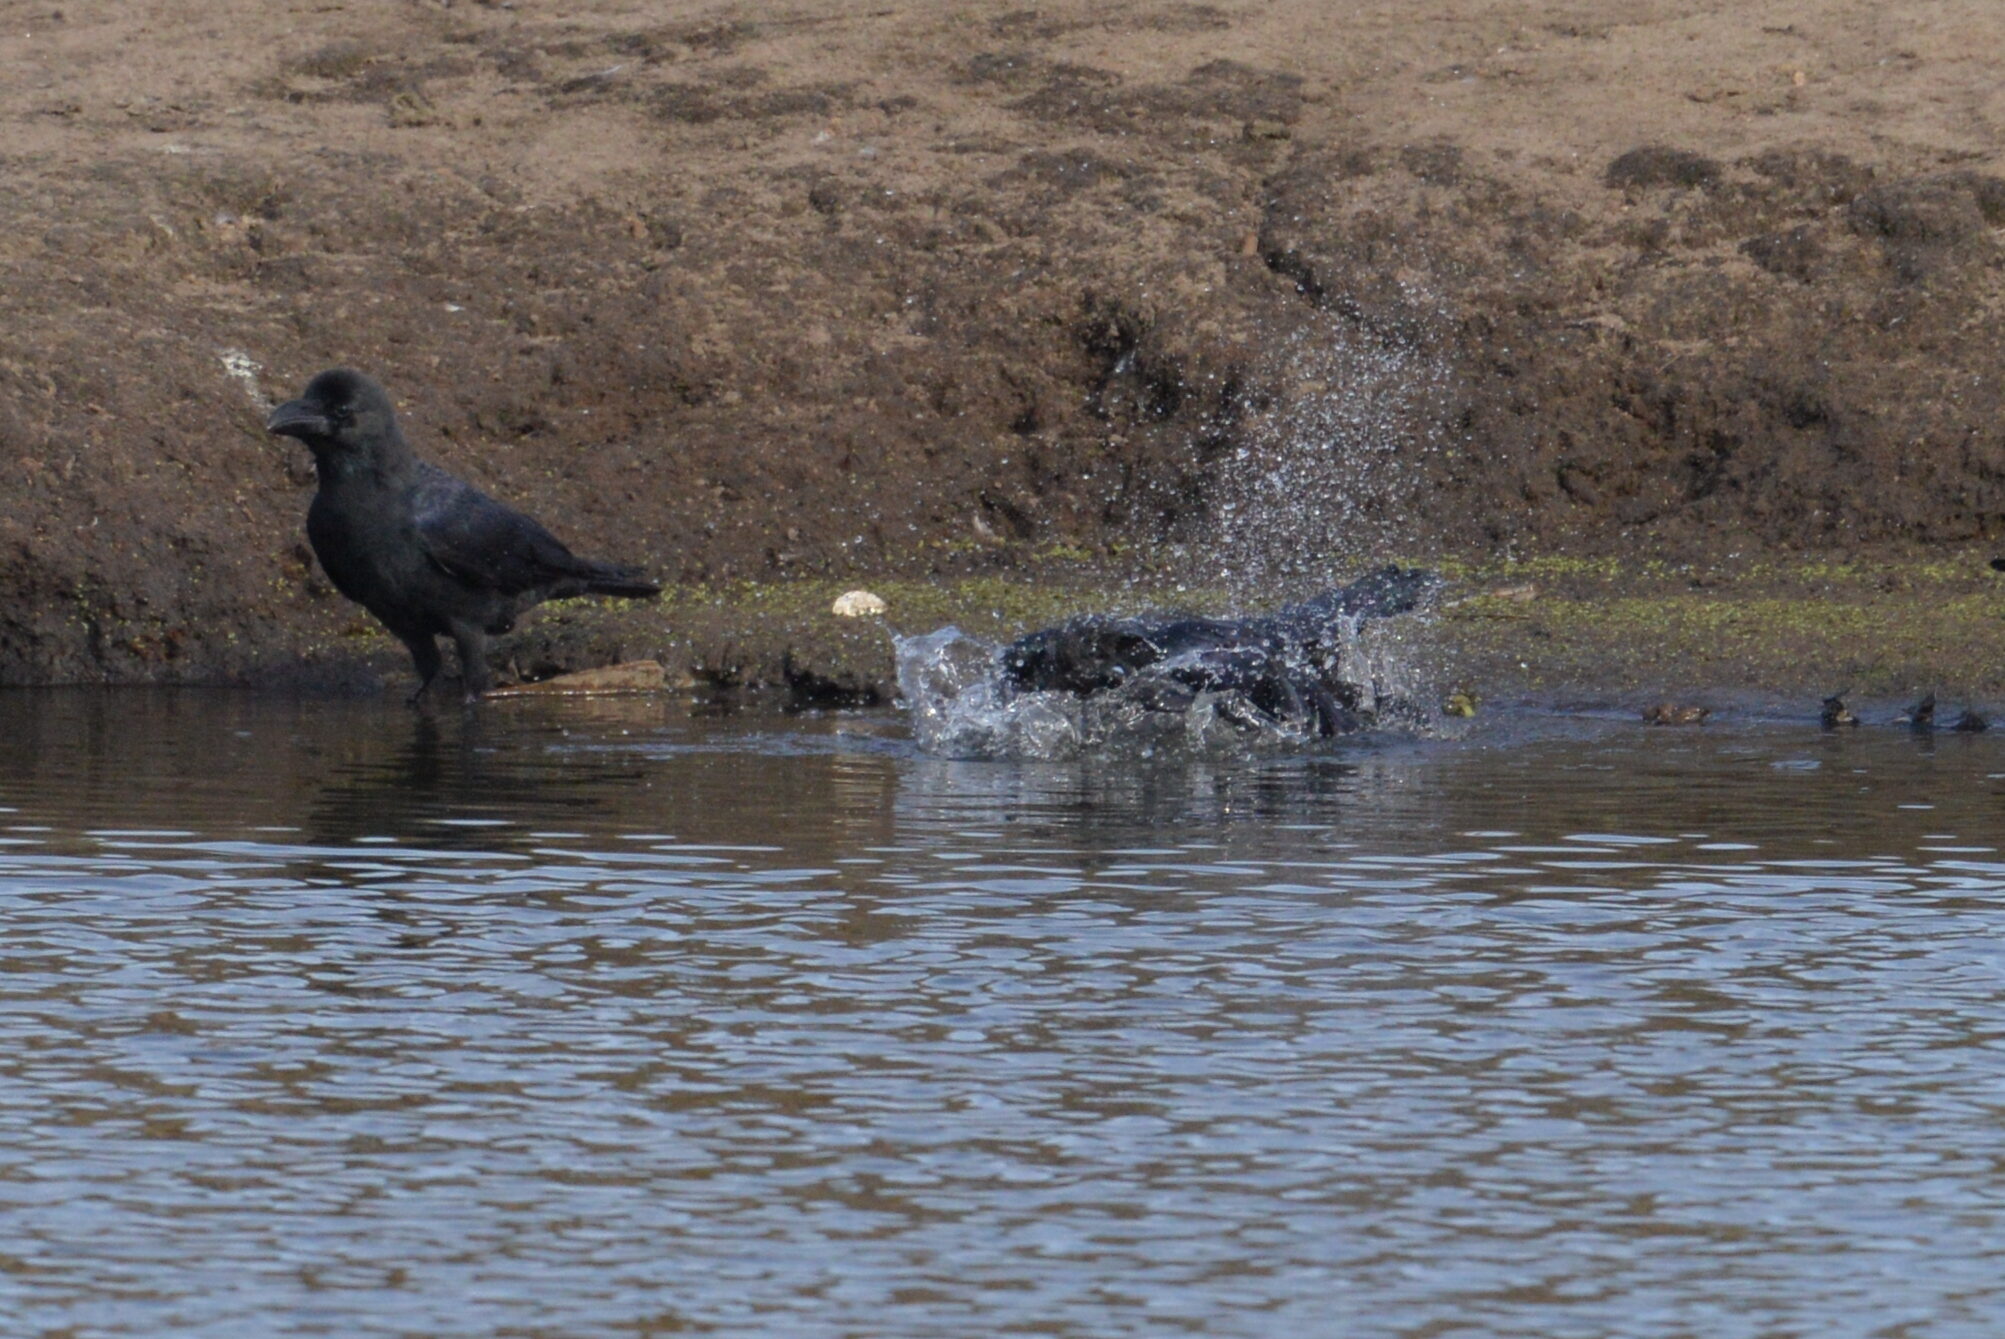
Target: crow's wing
[[477, 540]]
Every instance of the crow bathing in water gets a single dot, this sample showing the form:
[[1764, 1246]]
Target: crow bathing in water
[[425, 553], [1288, 665]]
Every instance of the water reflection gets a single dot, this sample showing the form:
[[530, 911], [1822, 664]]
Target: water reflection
[[321, 1017], [454, 784]]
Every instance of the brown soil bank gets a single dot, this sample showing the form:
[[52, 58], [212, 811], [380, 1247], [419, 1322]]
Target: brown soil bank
[[821, 290]]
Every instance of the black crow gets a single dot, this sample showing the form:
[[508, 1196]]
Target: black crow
[[1098, 652], [1288, 663], [424, 552]]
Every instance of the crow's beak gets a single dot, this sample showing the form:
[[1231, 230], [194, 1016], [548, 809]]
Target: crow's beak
[[296, 418]]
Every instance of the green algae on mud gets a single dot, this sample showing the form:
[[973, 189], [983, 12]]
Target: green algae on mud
[[740, 635], [1535, 628], [1787, 628]]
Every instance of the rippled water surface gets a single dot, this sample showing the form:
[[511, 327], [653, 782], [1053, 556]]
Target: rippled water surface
[[321, 1018]]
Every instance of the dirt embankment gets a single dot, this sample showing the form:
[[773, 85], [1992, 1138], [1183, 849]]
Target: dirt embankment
[[757, 293]]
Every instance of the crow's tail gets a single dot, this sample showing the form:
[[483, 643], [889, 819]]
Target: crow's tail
[[1387, 592], [1381, 594], [628, 583]]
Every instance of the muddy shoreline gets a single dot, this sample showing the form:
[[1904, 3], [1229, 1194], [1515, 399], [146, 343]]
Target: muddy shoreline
[[1560, 632], [1684, 314]]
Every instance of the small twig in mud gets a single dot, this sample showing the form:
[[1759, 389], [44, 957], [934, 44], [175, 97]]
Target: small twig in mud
[[817, 20]]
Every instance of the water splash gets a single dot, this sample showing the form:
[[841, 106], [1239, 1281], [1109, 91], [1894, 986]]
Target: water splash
[[952, 684], [1319, 481], [1321, 473], [963, 705]]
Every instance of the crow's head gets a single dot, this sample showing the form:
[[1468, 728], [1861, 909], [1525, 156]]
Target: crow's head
[[342, 413]]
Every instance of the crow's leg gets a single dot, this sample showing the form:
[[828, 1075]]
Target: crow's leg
[[472, 643], [1273, 691], [425, 656], [1240, 711], [1332, 716]]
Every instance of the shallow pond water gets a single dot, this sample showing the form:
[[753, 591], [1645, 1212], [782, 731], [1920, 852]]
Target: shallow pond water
[[320, 1017]]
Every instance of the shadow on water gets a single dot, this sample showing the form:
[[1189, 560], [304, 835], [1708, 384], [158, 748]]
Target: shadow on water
[[324, 1017]]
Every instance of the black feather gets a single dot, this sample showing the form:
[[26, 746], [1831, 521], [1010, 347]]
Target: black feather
[[428, 554]]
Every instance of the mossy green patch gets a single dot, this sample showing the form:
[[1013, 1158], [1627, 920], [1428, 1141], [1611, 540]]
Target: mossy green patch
[[1529, 624], [1535, 625], [1861, 629]]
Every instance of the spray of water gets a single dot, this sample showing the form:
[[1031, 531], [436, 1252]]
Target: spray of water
[[1316, 486], [963, 706], [1311, 495]]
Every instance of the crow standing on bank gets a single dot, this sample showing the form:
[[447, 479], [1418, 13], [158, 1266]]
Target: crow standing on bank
[[426, 553]]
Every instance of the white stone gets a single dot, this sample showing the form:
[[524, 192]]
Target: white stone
[[857, 604]]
